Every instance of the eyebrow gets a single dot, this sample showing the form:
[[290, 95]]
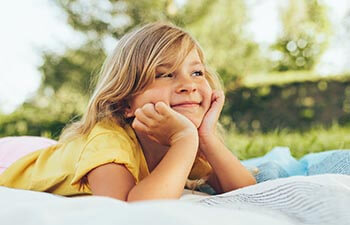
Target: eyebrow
[[168, 65], [194, 63]]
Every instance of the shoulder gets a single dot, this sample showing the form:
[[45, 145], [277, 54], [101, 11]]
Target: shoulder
[[107, 130], [108, 143], [106, 126]]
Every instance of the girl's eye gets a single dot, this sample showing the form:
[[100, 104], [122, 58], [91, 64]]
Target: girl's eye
[[166, 75], [198, 73]]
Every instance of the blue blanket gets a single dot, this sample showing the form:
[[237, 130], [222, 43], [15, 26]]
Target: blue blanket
[[280, 163]]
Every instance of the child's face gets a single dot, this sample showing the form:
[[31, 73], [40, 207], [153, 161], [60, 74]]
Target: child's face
[[186, 90]]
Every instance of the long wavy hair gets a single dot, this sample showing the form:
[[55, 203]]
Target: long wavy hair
[[131, 68]]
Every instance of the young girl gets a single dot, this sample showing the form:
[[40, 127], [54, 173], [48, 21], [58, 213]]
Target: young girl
[[149, 126]]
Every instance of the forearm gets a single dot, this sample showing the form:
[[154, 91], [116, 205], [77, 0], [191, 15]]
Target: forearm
[[168, 179], [229, 172]]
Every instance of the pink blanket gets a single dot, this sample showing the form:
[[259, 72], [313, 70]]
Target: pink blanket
[[13, 148]]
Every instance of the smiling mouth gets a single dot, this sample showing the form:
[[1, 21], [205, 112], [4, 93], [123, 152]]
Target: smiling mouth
[[186, 105]]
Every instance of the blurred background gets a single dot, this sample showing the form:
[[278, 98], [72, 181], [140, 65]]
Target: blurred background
[[284, 63]]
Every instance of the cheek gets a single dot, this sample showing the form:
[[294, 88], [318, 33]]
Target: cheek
[[149, 96], [157, 95]]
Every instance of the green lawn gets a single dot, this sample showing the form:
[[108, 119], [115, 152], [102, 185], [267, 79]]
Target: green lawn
[[317, 139]]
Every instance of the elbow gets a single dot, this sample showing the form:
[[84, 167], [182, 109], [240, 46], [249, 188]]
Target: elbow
[[251, 181], [248, 182], [132, 198], [137, 198], [142, 196]]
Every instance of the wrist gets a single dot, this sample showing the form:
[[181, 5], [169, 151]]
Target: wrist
[[185, 136], [207, 143]]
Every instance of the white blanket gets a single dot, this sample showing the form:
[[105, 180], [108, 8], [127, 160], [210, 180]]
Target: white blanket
[[321, 199]]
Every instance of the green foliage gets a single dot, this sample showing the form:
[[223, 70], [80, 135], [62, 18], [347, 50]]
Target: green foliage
[[316, 139], [75, 69], [45, 115], [295, 105], [222, 36], [117, 17], [63, 94], [306, 31]]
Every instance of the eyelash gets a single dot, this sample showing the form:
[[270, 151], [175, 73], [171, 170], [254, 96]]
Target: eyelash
[[198, 72]]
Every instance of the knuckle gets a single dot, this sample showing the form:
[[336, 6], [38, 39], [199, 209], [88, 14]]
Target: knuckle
[[163, 109], [135, 124], [159, 104], [147, 106], [138, 112], [153, 124]]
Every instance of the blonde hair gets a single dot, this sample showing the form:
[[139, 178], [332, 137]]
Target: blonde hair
[[131, 68]]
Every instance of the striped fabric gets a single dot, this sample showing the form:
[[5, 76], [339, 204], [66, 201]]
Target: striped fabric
[[301, 200]]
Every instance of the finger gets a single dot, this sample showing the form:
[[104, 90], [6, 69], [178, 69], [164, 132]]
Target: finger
[[139, 126], [216, 106], [217, 100], [150, 111], [218, 96], [142, 117], [162, 108]]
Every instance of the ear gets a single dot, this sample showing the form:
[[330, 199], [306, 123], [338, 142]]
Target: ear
[[128, 112]]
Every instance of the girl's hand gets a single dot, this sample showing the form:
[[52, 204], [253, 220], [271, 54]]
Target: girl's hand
[[162, 124], [208, 125]]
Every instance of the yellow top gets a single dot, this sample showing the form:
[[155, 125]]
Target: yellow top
[[62, 168]]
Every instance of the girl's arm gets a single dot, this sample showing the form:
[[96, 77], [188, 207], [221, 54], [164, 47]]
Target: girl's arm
[[228, 172], [168, 179]]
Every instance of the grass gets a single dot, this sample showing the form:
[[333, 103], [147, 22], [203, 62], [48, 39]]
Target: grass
[[317, 139]]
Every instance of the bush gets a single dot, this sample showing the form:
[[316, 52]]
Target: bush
[[295, 105]]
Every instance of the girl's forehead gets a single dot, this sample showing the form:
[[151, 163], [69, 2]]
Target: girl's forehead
[[190, 59], [176, 53]]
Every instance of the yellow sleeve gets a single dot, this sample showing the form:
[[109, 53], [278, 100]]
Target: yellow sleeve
[[105, 148]]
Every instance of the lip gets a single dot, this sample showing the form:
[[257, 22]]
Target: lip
[[186, 104]]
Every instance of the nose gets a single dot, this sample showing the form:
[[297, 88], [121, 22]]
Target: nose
[[185, 85]]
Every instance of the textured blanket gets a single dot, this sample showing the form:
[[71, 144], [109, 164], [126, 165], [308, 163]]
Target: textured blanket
[[319, 199]]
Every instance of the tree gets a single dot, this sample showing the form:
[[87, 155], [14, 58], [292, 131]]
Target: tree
[[305, 37], [225, 42], [117, 17]]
